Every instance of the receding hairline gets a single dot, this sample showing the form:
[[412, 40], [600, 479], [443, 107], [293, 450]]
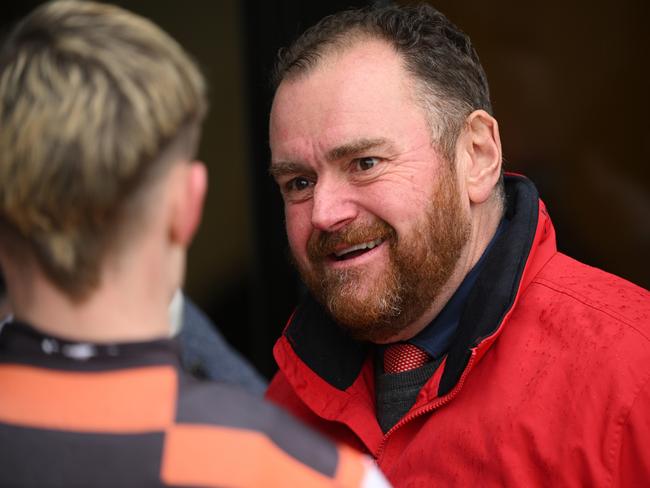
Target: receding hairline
[[418, 89], [342, 44], [330, 49]]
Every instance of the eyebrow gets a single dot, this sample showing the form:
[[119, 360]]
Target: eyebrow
[[278, 169], [354, 147], [283, 168]]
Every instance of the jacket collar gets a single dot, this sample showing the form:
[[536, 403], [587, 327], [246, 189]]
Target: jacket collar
[[498, 283], [22, 343], [330, 353]]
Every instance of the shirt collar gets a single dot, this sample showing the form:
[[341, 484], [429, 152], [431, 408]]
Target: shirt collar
[[23, 343]]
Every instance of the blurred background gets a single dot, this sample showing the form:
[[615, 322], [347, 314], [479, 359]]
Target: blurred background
[[569, 88]]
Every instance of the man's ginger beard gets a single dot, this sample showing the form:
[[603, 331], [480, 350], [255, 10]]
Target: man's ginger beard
[[419, 266]]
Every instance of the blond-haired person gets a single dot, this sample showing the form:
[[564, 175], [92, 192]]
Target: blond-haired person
[[100, 195]]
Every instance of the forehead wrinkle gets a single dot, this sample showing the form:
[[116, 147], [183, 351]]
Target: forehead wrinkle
[[354, 147]]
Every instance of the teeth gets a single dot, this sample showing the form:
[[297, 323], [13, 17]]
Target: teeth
[[365, 245]]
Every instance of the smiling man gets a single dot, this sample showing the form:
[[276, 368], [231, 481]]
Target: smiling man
[[444, 333]]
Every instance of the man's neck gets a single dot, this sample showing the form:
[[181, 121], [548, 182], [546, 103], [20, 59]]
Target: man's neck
[[116, 311]]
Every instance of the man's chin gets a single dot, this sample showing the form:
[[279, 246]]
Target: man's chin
[[365, 319], [377, 333]]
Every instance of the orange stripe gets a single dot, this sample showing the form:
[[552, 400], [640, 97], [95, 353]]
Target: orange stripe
[[219, 456], [351, 469], [132, 401]]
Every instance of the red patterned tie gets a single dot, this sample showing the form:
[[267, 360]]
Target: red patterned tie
[[404, 357]]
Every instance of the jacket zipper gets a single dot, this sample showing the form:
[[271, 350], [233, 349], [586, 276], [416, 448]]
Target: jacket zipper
[[427, 408]]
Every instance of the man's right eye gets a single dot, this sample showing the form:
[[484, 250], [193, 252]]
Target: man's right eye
[[297, 184]]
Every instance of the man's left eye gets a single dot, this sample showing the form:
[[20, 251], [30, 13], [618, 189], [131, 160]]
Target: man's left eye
[[364, 164]]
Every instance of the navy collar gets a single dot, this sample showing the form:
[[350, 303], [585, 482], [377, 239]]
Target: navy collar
[[436, 337]]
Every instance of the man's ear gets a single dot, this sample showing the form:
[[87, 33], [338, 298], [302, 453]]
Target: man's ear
[[188, 206], [482, 147]]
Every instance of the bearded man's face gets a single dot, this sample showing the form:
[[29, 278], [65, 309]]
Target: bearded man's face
[[374, 215], [376, 306]]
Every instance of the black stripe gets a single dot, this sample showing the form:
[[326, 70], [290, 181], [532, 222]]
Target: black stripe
[[227, 406], [21, 344], [44, 458]]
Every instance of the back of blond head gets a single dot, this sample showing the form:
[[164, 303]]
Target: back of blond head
[[92, 98]]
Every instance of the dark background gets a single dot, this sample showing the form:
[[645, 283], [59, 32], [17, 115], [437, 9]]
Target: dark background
[[569, 89]]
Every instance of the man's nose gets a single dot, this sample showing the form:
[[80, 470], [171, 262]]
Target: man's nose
[[333, 205]]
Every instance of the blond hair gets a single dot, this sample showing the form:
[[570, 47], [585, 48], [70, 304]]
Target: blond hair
[[91, 97]]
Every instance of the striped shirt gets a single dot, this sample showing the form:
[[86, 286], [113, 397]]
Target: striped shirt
[[80, 414]]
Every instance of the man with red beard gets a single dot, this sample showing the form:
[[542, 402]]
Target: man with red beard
[[444, 334]]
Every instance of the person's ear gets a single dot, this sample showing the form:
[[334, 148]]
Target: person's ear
[[188, 206], [482, 146]]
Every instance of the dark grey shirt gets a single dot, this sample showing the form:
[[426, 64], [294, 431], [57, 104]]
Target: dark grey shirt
[[204, 352], [396, 392]]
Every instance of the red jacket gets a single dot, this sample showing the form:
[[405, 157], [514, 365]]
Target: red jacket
[[546, 384]]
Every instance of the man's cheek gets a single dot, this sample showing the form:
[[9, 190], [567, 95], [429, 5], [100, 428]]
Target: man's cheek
[[298, 248], [298, 233]]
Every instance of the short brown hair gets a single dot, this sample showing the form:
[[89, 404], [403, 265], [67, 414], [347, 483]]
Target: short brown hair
[[91, 97], [452, 82]]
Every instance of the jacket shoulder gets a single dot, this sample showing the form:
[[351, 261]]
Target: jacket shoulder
[[615, 297]]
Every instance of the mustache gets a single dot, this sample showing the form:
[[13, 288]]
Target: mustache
[[323, 244]]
